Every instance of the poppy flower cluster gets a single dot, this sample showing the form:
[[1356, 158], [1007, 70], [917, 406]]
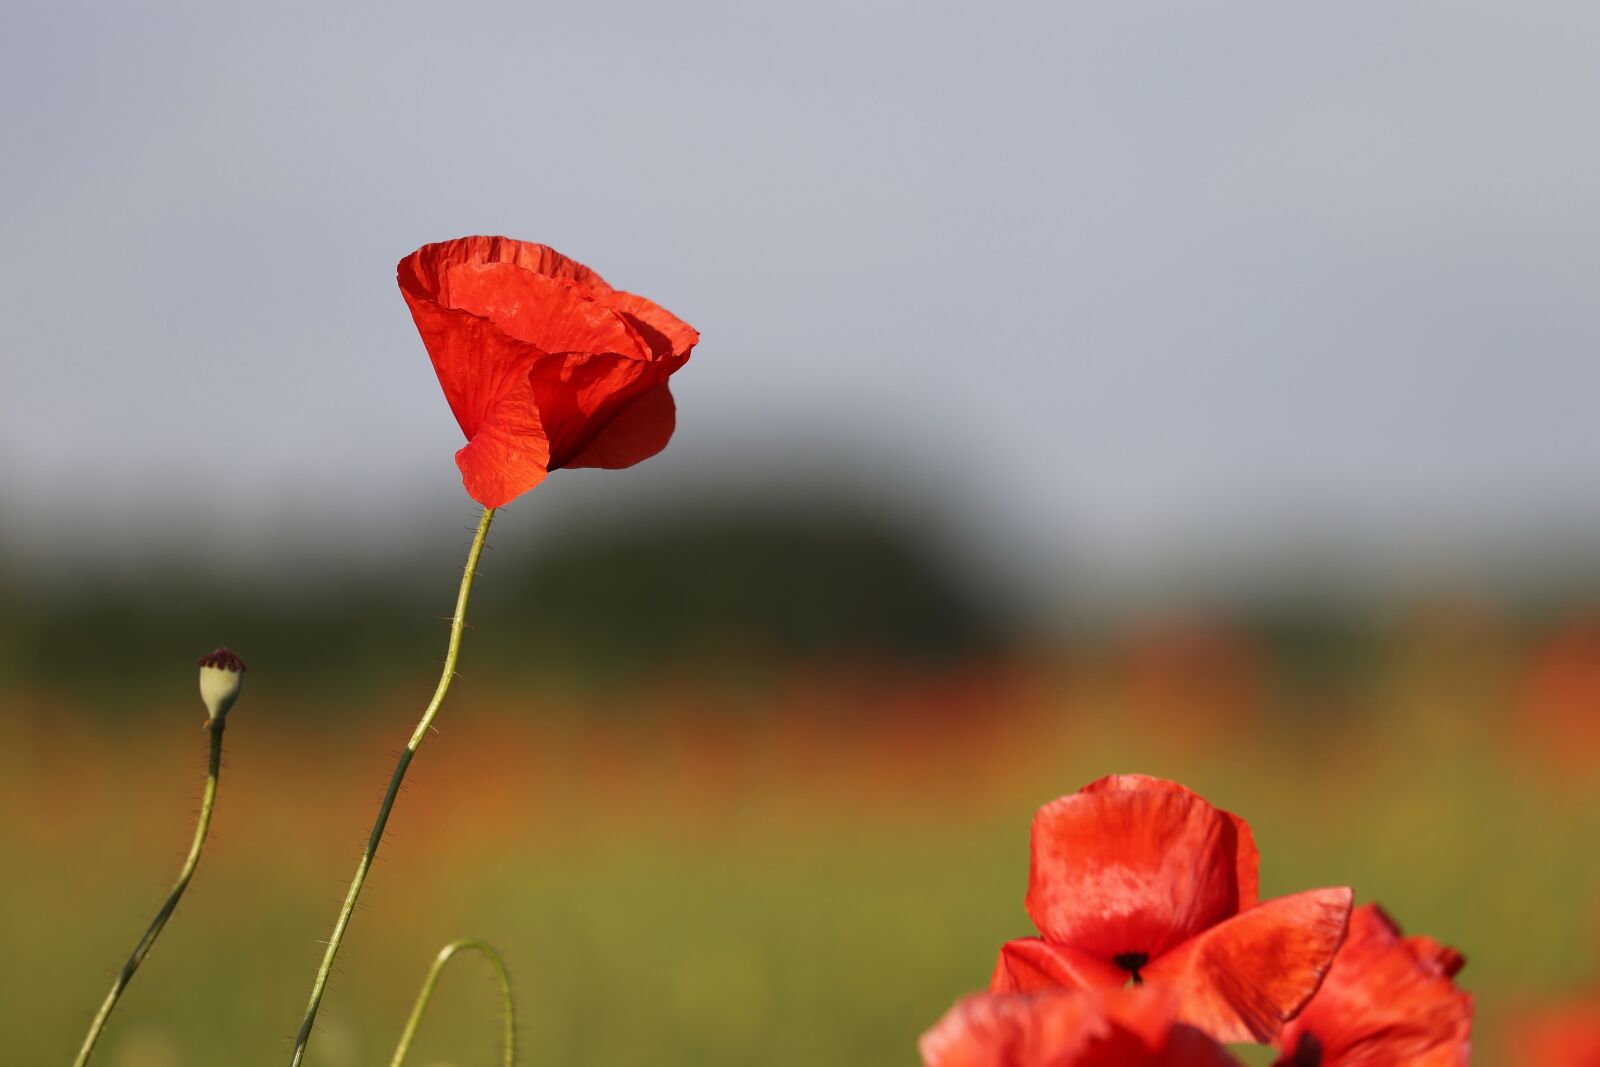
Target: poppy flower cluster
[[1154, 949]]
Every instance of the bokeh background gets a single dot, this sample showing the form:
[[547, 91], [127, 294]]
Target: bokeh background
[[1202, 391]]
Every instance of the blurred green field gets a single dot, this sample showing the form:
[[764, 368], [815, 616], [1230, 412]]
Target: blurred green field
[[801, 868]]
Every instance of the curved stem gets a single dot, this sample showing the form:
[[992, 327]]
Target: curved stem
[[457, 623], [208, 801], [502, 973]]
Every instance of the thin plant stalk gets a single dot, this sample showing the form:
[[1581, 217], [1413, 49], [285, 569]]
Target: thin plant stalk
[[208, 802], [502, 974], [457, 624]]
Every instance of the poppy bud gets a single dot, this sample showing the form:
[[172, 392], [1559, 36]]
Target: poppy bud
[[221, 675]]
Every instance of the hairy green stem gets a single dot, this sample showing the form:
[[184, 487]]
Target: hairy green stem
[[208, 801], [502, 974], [457, 624]]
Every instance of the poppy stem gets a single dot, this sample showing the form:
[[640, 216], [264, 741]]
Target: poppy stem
[[502, 974], [457, 624], [208, 801]]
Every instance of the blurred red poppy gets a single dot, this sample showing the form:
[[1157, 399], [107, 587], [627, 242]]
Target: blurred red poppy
[[1559, 1035], [544, 364], [1138, 879], [1388, 1001], [1069, 1028]]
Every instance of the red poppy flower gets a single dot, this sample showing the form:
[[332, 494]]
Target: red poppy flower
[[1563, 1035], [544, 364], [1069, 1028], [1136, 878], [1388, 1001]]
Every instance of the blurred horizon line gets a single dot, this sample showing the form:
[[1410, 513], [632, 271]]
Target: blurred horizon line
[[1235, 555]]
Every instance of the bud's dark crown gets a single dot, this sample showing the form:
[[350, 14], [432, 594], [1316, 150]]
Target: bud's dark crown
[[225, 658]]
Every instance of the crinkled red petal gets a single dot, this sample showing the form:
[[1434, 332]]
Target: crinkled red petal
[[423, 268], [484, 375], [1013, 1031], [1242, 978], [553, 313], [1030, 963], [1068, 1028], [580, 396], [1132, 865], [1388, 1001], [634, 434], [668, 336], [508, 454], [1249, 857]]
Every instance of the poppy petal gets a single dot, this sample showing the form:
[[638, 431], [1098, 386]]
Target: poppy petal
[[1031, 963], [634, 434], [423, 267], [1068, 1028], [529, 292], [484, 375], [1150, 1015], [1388, 1001], [1248, 858], [579, 395], [667, 335], [1242, 978], [1449, 961], [553, 313], [1131, 866], [1013, 1031], [509, 454]]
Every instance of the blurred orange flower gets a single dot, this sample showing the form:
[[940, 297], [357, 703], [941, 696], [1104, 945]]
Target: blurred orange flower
[[1559, 710], [1069, 1028], [544, 364], [1388, 1000], [1138, 878], [1563, 1035]]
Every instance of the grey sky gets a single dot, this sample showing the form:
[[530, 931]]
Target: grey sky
[[1091, 272]]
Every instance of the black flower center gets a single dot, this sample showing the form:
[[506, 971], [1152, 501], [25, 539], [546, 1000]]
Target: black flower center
[[1307, 1051], [1131, 962]]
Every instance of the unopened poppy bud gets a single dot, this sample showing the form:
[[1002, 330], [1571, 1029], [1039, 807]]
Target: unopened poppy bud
[[221, 676]]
